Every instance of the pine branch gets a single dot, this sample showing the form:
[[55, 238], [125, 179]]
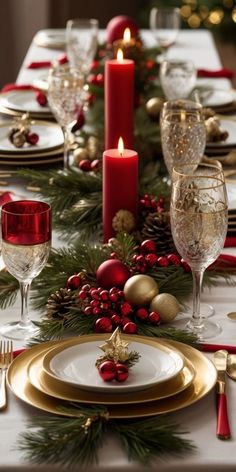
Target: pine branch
[[9, 287], [77, 440], [67, 441], [173, 334], [145, 439]]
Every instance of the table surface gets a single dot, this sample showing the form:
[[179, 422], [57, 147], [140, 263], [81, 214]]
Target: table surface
[[200, 419]]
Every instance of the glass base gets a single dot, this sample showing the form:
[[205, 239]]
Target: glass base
[[206, 310], [18, 331], [207, 329]]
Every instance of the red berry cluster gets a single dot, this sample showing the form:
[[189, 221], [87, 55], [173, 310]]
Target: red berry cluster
[[152, 204], [110, 307], [147, 257], [89, 166], [110, 370]]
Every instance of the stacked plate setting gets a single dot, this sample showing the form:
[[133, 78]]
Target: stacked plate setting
[[169, 376], [48, 150]]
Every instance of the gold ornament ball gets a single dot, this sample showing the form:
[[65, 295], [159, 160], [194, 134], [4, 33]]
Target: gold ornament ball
[[154, 106], [80, 154], [140, 289], [166, 305]]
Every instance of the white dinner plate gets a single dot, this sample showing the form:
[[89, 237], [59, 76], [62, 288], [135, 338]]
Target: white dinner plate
[[23, 101], [75, 365], [51, 38], [217, 98], [225, 125], [50, 137]]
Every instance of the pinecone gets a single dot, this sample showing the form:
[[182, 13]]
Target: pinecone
[[157, 227], [59, 303]]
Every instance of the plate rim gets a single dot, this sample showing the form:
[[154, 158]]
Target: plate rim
[[4, 98]]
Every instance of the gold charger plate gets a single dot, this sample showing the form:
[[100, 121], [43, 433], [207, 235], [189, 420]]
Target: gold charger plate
[[35, 162], [203, 382], [59, 389]]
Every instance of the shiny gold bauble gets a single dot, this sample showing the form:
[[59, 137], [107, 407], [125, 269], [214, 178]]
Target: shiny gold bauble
[[154, 106], [166, 305], [140, 289], [80, 154]]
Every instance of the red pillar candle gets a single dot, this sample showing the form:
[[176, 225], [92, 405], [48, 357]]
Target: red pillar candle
[[120, 185], [119, 101]]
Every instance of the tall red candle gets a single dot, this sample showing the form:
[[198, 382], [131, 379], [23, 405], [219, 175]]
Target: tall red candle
[[119, 101], [120, 186]]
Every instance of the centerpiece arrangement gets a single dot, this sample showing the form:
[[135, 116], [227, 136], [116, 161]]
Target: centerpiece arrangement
[[131, 280]]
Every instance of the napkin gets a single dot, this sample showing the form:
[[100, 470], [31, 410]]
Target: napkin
[[6, 197], [17, 352], [218, 73], [216, 347], [12, 86], [45, 64]]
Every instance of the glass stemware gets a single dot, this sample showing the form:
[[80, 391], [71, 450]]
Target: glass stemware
[[204, 169], [81, 43], [26, 242], [198, 213], [177, 78], [183, 133], [65, 91], [165, 25]]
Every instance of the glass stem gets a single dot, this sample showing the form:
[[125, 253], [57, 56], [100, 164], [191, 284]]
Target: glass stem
[[197, 286], [24, 291], [66, 134]]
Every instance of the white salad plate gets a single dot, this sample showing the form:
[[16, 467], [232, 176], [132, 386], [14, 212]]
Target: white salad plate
[[50, 137], [23, 101], [75, 366]]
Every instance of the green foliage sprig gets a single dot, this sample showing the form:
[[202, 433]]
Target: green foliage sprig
[[77, 440]]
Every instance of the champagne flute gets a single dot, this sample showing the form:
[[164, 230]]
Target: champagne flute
[[165, 25], [177, 78], [81, 43], [198, 213], [26, 242], [65, 97], [203, 169], [183, 133]]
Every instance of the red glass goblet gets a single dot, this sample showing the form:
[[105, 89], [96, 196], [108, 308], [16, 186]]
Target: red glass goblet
[[26, 242]]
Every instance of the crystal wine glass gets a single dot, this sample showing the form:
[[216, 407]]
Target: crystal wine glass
[[177, 78], [203, 169], [81, 43], [26, 242], [183, 133], [65, 97], [198, 213], [165, 25]]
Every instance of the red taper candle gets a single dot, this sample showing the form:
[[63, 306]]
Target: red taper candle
[[120, 185], [119, 101]]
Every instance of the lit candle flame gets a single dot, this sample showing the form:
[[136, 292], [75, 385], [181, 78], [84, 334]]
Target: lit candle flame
[[127, 35], [120, 55], [121, 146]]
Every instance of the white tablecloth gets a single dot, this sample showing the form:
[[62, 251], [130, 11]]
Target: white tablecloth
[[199, 419]]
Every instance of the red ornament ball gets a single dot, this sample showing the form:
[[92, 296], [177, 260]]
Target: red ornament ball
[[142, 314], [148, 246], [154, 318], [112, 273], [85, 165], [130, 328], [122, 372], [107, 370], [103, 325], [74, 282], [117, 25], [32, 138]]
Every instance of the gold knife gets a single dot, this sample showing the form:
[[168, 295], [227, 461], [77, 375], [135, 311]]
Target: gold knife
[[223, 427]]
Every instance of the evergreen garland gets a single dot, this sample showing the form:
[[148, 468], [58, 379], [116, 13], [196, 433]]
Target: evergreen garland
[[76, 440]]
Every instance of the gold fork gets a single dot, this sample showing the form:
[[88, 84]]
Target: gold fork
[[6, 356]]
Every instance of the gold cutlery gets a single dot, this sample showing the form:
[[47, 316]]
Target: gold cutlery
[[223, 428], [6, 356], [231, 366]]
